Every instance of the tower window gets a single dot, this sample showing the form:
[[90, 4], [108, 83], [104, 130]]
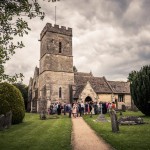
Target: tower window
[[60, 47], [60, 93]]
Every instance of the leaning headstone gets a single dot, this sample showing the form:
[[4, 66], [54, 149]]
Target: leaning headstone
[[43, 107], [114, 122], [8, 119], [123, 108], [43, 115]]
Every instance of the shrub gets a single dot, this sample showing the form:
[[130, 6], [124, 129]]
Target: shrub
[[4, 106], [140, 89], [11, 95]]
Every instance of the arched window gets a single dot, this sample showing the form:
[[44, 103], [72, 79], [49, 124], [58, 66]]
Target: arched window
[[60, 92], [60, 47]]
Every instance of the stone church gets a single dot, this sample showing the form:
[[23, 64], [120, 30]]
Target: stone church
[[56, 80]]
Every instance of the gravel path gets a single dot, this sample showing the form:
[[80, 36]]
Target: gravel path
[[84, 138]]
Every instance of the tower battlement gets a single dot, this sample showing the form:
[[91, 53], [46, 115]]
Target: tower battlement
[[56, 29]]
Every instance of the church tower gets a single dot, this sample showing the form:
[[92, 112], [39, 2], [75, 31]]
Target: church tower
[[56, 63]]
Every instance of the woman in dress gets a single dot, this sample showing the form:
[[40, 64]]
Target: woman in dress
[[74, 110]]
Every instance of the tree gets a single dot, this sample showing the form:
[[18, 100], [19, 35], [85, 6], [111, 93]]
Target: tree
[[12, 24], [140, 89], [24, 91], [11, 99]]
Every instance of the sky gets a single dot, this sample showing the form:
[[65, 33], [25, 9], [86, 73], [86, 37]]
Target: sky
[[111, 38]]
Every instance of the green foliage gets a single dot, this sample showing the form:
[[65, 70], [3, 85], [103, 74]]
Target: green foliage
[[24, 91], [140, 89], [12, 24], [11, 95], [4, 106]]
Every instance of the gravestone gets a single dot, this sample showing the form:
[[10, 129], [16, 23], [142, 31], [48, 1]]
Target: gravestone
[[42, 115], [43, 109], [114, 122], [130, 120], [8, 119], [101, 117], [123, 108]]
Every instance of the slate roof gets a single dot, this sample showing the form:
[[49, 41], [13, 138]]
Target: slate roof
[[79, 89], [99, 84], [120, 87]]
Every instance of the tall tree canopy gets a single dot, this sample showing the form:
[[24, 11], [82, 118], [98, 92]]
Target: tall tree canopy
[[12, 24], [140, 89], [24, 91]]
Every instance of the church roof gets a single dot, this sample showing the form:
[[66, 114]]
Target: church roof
[[79, 89], [120, 86], [99, 84]]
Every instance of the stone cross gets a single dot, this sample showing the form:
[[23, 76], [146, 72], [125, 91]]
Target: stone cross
[[101, 117]]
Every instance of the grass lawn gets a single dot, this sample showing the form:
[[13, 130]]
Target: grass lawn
[[133, 137], [36, 134]]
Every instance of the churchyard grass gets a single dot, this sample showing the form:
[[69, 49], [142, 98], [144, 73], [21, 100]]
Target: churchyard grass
[[36, 134], [130, 137]]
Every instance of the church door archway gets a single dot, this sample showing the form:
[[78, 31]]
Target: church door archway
[[88, 99]]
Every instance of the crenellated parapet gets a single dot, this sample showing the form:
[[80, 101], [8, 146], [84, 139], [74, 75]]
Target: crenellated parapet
[[56, 29]]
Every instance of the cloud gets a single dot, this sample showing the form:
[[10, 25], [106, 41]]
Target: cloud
[[110, 38]]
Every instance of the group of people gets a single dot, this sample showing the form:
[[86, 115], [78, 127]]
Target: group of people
[[57, 108], [80, 108], [91, 108]]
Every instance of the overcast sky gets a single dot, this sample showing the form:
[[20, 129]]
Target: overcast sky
[[110, 37]]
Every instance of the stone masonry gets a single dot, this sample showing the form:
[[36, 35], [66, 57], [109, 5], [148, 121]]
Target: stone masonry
[[55, 79]]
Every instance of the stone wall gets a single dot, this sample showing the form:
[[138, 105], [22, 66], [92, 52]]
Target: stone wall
[[88, 91], [56, 63], [128, 100], [105, 97], [56, 29], [55, 80], [108, 98], [50, 44]]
